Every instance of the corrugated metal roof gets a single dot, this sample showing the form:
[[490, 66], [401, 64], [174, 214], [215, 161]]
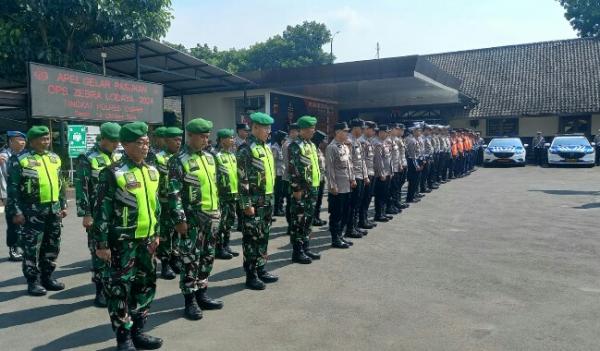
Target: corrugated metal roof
[[178, 72]]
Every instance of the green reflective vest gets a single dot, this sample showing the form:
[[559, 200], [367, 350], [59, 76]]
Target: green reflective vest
[[309, 150], [200, 170], [263, 155], [228, 165], [41, 172], [142, 183], [98, 162]]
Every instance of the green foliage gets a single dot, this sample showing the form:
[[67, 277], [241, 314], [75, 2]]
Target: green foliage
[[298, 46], [584, 16], [57, 31]]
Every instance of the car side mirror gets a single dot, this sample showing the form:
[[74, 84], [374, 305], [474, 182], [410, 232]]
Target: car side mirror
[[593, 144], [547, 145], [484, 145], [525, 145]]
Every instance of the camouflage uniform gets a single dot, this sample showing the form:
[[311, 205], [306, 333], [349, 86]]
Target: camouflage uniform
[[40, 238], [228, 195], [305, 176], [86, 185], [126, 222], [166, 252], [256, 190], [190, 202]]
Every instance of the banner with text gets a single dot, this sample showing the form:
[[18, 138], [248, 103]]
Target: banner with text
[[64, 93]]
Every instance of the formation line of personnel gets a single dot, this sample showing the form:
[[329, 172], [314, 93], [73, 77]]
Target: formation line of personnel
[[177, 204]]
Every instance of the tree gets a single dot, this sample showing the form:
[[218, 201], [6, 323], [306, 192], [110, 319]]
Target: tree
[[57, 31], [297, 46], [584, 16]]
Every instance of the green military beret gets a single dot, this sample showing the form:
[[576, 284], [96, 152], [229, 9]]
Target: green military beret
[[306, 122], [224, 133], [261, 118], [36, 132], [199, 126], [133, 131], [110, 131], [172, 132], [160, 132]]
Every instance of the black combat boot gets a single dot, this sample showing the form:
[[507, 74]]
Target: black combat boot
[[298, 255], [124, 342], [52, 284], [337, 242], [140, 339], [165, 270], [205, 302], [227, 248], [176, 263], [343, 239], [361, 231], [192, 310], [370, 222], [222, 254], [233, 253], [365, 225], [265, 276], [318, 222], [252, 281], [308, 252], [391, 210], [15, 254], [34, 288], [352, 233], [100, 299]]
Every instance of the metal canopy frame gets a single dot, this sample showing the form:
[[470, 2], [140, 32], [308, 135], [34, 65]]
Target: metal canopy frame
[[179, 73]]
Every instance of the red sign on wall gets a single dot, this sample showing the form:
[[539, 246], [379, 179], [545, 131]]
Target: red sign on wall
[[64, 93]]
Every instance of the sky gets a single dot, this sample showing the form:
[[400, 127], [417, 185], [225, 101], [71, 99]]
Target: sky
[[402, 27]]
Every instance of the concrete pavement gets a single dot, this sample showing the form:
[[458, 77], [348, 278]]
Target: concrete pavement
[[505, 259]]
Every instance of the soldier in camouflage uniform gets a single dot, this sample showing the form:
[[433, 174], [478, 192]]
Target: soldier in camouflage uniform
[[242, 131], [157, 143], [227, 181], [293, 134], [86, 185], [194, 205], [318, 139], [166, 253], [305, 178], [125, 231], [36, 198], [256, 170], [16, 144], [277, 139]]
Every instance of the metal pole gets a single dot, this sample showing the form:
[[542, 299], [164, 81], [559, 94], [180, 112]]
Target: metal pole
[[331, 51], [331, 46], [137, 60], [103, 55], [51, 136]]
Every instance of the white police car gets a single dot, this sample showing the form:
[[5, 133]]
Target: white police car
[[505, 151], [571, 149]]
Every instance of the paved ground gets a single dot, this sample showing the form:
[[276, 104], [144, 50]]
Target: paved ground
[[506, 259]]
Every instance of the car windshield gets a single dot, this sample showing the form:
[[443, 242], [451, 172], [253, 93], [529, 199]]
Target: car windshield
[[570, 141], [505, 142]]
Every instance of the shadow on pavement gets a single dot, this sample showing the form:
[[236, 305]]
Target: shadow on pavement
[[63, 271], [93, 335], [567, 192], [31, 315], [588, 206]]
